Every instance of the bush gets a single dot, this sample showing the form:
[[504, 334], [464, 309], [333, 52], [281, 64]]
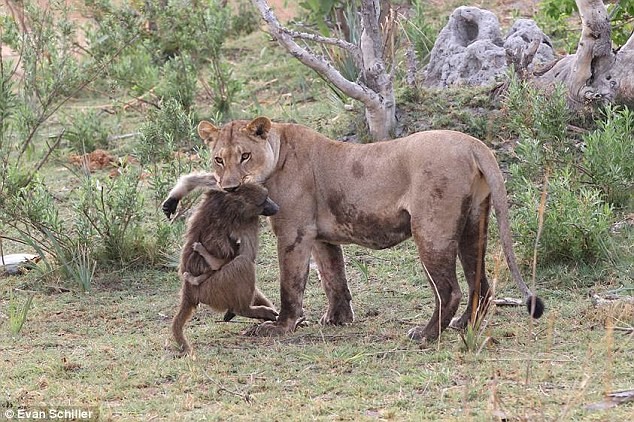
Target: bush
[[178, 82], [420, 31], [165, 130], [554, 14], [86, 132], [608, 156], [577, 218], [576, 224]]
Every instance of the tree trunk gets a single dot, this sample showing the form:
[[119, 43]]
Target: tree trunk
[[375, 89], [595, 73], [623, 73], [380, 116]]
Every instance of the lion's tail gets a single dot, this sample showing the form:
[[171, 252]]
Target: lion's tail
[[491, 171]]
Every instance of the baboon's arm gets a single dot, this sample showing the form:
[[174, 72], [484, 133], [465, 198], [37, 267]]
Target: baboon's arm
[[184, 186], [249, 244], [213, 262]]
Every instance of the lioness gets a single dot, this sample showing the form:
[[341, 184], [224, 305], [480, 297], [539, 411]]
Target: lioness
[[435, 186]]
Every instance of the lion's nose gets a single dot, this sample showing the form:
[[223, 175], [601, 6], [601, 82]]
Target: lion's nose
[[231, 188]]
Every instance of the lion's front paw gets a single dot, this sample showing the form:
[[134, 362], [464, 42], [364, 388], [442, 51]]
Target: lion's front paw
[[341, 314], [197, 247], [420, 335]]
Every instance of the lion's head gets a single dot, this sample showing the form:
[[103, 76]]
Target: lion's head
[[241, 151]]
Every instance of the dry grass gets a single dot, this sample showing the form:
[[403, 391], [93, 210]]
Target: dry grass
[[111, 349]]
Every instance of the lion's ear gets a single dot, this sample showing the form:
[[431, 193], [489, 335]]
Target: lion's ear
[[207, 132], [259, 127]]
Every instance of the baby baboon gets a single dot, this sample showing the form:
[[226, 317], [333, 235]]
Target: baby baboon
[[217, 263]]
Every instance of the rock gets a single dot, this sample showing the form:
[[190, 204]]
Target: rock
[[470, 50], [13, 263], [520, 37]]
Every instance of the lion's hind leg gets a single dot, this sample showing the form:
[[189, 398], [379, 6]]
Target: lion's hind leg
[[438, 257], [471, 250]]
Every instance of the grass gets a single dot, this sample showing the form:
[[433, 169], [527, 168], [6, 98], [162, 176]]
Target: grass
[[111, 349]]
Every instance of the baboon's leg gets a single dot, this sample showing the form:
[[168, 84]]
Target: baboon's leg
[[332, 273], [438, 249], [239, 277], [471, 251], [261, 306], [258, 312], [213, 262], [184, 313], [260, 300]]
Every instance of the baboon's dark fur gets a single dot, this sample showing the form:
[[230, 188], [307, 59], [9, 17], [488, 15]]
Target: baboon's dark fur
[[226, 225]]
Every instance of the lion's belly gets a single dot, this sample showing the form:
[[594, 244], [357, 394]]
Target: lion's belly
[[365, 229]]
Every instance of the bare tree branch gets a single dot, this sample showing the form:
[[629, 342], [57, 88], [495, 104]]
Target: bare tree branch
[[323, 40], [318, 64], [374, 88]]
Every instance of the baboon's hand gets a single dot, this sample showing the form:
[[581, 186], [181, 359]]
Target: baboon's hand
[[229, 316], [169, 206]]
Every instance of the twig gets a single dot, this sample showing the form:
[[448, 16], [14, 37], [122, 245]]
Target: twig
[[124, 136], [45, 158], [246, 397]]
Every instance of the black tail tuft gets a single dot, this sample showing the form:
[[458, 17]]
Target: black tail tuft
[[539, 306]]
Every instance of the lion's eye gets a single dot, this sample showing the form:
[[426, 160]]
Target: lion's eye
[[219, 160], [246, 156]]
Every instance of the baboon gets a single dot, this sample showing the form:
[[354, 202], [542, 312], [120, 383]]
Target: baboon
[[217, 265]]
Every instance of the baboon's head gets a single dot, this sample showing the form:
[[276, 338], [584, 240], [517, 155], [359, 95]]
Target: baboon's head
[[254, 200]]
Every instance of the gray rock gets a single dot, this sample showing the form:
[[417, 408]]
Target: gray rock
[[522, 34], [470, 50]]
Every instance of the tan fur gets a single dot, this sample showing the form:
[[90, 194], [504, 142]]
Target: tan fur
[[214, 268], [435, 186]]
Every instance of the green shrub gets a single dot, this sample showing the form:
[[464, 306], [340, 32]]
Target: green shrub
[[538, 115], [178, 81], [421, 31], [577, 219], [86, 132], [164, 130], [164, 50], [608, 156], [554, 17], [245, 20]]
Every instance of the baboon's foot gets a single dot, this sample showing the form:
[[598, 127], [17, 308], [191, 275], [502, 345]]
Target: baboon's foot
[[184, 351], [259, 312], [188, 277], [228, 316], [198, 247], [338, 314]]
